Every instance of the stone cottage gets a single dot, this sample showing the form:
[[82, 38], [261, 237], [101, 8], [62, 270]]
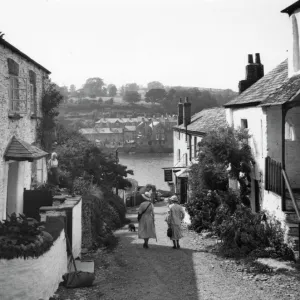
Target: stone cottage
[[22, 82]]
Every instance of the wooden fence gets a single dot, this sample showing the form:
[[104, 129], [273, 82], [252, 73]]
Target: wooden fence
[[273, 176]]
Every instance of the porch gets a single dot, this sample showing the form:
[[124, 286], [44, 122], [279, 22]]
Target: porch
[[282, 165]]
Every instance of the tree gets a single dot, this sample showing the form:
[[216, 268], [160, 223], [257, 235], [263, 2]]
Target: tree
[[132, 97], [155, 95], [112, 90], [51, 100], [199, 99], [155, 85], [81, 158], [131, 87], [122, 90], [93, 86], [64, 92], [72, 90]]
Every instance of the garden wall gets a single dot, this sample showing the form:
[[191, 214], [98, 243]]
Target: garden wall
[[34, 278]]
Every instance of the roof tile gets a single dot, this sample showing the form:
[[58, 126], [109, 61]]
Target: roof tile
[[207, 120], [21, 151]]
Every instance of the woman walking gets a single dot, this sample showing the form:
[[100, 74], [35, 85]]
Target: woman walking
[[146, 229], [174, 219]]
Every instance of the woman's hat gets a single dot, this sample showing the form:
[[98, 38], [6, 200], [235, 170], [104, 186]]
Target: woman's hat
[[174, 198]]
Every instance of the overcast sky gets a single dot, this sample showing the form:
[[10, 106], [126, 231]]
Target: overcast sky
[[178, 42]]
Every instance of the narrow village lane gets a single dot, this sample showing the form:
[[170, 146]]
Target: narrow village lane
[[160, 272]]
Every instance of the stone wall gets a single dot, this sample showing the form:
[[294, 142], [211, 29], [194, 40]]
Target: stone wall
[[24, 128], [70, 204], [34, 278]]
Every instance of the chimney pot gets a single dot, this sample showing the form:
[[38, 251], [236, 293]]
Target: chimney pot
[[180, 112], [187, 112], [257, 58], [250, 59]]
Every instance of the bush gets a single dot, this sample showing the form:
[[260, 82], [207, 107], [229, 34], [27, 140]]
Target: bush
[[103, 212], [23, 237], [202, 209], [245, 232]]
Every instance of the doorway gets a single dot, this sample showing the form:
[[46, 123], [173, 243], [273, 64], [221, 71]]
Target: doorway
[[15, 187], [183, 190], [256, 195]]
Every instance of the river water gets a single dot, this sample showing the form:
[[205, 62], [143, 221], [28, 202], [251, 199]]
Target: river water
[[147, 167]]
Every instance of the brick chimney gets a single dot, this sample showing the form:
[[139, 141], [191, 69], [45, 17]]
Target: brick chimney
[[180, 112], [186, 112], [254, 72]]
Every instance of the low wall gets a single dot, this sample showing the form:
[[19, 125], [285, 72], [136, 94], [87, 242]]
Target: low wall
[[73, 205], [34, 278], [272, 203]]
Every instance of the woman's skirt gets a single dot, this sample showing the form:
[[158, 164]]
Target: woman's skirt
[[176, 232]]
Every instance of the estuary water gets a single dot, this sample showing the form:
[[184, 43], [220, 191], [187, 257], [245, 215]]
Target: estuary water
[[147, 167]]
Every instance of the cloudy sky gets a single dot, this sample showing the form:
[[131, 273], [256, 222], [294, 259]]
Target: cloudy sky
[[178, 42]]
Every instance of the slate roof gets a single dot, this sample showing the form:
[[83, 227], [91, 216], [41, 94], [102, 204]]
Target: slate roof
[[285, 93], [100, 130], [263, 88], [130, 128], [206, 120], [22, 151], [17, 51], [290, 9]]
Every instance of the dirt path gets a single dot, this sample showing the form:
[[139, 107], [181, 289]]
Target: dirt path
[[160, 272]]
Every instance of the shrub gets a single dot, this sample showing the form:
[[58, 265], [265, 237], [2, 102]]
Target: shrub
[[245, 232], [22, 237]]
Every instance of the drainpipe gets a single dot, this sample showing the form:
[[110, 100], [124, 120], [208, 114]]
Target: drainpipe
[[283, 115]]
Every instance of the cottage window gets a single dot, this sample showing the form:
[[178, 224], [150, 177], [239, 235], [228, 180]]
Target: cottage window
[[17, 92], [244, 123], [32, 94], [157, 136], [289, 131], [163, 137], [178, 155], [195, 146], [188, 141], [40, 171]]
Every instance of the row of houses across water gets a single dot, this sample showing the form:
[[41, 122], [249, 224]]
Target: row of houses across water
[[140, 134], [269, 107]]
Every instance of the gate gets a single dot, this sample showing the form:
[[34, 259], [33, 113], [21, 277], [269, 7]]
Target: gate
[[33, 200]]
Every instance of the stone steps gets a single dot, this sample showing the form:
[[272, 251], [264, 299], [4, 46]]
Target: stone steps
[[293, 229], [291, 217], [289, 204]]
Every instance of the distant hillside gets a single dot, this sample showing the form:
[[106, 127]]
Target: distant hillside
[[223, 96]]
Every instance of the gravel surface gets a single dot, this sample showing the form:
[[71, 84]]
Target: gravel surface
[[193, 272]]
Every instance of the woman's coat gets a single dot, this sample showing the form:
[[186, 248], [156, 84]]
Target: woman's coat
[[146, 224]]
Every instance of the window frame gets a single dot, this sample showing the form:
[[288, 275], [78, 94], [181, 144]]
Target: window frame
[[12, 90], [244, 123], [289, 129], [178, 155]]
